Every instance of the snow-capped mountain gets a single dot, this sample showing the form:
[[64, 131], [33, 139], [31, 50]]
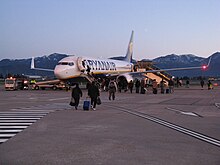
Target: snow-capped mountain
[[179, 59], [189, 60], [22, 66]]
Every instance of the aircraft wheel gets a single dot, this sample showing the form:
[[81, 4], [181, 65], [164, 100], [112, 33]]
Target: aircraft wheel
[[36, 88], [54, 88]]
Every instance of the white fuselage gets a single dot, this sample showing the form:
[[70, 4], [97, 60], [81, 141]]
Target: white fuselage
[[71, 67]]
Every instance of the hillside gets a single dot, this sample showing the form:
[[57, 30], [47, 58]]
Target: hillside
[[22, 66]]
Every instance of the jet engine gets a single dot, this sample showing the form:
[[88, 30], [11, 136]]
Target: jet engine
[[125, 77]]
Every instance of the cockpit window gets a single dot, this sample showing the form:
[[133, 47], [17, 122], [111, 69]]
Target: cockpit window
[[66, 63], [63, 63]]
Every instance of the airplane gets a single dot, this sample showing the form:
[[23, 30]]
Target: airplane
[[72, 67]]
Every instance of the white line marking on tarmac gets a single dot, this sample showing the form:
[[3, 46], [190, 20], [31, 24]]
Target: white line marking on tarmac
[[186, 131], [18, 121], [33, 98], [182, 112], [21, 116], [8, 135], [217, 105], [23, 113], [13, 127], [180, 129], [64, 98], [3, 140], [15, 118], [15, 124], [32, 109], [11, 131]]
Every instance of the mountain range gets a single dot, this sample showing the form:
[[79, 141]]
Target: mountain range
[[22, 66]]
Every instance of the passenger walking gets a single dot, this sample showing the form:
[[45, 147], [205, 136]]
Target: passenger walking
[[93, 93], [137, 85], [154, 86], [76, 94], [180, 82], [130, 86], [142, 86], [120, 85], [187, 83], [112, 89], [88, 69], [125, 85], [162, 85], [202, 83], [106, 84], [171, 85], [210, 85]]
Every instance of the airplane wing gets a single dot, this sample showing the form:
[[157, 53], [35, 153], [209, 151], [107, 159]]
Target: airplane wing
[[177, 69], [172, 69], [33, 66]]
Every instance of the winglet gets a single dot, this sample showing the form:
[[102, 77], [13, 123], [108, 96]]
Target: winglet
[[32, 63], [204, 67], [209, 61], [129, 53]]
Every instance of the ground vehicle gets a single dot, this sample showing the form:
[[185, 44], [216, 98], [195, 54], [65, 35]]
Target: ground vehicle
[[53, 84], [15, 84]]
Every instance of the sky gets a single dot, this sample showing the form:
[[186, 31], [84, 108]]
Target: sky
[[102, 28]]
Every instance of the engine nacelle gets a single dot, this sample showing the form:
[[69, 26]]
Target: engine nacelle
[[125, 76]]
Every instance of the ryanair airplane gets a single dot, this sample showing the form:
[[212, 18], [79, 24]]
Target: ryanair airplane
[[78, 66]]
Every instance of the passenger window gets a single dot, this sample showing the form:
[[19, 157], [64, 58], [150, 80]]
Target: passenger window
[[71, 64]]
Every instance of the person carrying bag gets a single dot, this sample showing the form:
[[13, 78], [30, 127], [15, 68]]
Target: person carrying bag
[[99, 101], [76, 94]]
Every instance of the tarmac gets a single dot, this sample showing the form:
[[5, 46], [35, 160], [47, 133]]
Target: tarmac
[[39, 127]]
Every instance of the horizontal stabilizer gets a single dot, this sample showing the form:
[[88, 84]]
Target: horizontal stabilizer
[[43, 69]]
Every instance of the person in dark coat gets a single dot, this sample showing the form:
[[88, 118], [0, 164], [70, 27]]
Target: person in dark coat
[[130, 86], [171, 85], [112, 89], [93, 93], [137, 85], [202, 83], [143, 86], [154, 86], [76, 94], [162, 85]]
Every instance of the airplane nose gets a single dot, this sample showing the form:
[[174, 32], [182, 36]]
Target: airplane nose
[[56, 73], [64, 72], [59, 73]]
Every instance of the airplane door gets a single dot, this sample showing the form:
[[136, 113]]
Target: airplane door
[[81, 64]]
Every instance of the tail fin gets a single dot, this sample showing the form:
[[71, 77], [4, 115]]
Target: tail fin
[[129, 53]]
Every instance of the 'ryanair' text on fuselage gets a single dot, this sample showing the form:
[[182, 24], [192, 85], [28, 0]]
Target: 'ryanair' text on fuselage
[[100, 65]]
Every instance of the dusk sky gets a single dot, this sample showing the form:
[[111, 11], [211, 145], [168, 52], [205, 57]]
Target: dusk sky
[[102, 28]]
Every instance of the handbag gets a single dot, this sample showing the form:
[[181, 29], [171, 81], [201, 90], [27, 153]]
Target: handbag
[[99, 101], [72, 102]]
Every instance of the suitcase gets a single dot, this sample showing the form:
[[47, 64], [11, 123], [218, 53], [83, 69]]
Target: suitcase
[[86, 105], [72, 102], [142, 90]]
